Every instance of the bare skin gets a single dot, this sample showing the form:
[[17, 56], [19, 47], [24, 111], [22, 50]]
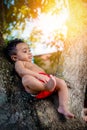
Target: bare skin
[[84, 114], [51, 83], [31, 78]]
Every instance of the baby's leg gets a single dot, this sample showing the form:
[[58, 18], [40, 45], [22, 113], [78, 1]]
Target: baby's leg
[[33, 85], [63, 98]]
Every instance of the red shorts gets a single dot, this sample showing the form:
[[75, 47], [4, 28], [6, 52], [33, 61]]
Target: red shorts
[[44, 94]]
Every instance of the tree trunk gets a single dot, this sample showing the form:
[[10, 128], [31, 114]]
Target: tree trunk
[[19, 111], [75, 71], [73, 62]]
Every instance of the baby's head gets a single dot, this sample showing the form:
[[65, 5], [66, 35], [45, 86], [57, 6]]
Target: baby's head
[[15, 48], [10, 49]]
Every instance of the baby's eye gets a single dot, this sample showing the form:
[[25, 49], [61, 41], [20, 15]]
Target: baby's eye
[[25, 51]]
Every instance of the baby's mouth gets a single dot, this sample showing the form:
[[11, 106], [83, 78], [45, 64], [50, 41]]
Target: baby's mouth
[[30, 58]]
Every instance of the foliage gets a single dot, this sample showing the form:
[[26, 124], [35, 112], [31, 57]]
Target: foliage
[[56, 56], [35, 35], [15, 12], [54, 62], [39, 61]]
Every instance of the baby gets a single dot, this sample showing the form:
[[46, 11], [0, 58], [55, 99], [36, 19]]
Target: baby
[[34, 79]]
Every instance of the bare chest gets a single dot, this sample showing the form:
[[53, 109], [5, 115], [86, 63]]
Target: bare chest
[[29, 66], [33, 67]]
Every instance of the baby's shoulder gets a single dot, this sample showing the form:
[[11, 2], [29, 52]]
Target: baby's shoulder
[[18, 63]]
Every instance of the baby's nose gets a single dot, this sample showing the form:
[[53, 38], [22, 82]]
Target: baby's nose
[[30, 54]]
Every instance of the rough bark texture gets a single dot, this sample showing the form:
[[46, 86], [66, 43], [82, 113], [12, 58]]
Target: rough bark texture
[[75, 71], [73, 62]]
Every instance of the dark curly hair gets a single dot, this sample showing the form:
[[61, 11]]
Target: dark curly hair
[[10, 49]]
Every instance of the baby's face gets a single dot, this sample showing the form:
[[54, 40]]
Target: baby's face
[[23, 52]]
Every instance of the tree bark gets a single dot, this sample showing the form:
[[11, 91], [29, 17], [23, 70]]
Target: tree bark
[[19, 111], [75, 71]]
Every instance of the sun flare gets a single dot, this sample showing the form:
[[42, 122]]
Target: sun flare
[[49, 23], [53, 25]]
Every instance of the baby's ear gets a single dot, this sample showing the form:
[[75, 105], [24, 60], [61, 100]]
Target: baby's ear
[[14, 57]]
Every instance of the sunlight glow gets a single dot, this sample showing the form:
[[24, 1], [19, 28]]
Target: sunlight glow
[[53, 26], [49, 23]]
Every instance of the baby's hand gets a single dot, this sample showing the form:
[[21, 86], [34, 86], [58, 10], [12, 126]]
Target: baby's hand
[[43, 78]]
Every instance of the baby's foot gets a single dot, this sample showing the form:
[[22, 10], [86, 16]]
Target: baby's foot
[[65, 112], [84, 114], [85, 118], [51, 83]]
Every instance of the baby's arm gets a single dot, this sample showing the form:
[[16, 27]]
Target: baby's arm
[[21, 70]]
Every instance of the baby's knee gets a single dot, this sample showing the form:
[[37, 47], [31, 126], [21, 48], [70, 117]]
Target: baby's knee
[[62, 81], [26, 79]]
